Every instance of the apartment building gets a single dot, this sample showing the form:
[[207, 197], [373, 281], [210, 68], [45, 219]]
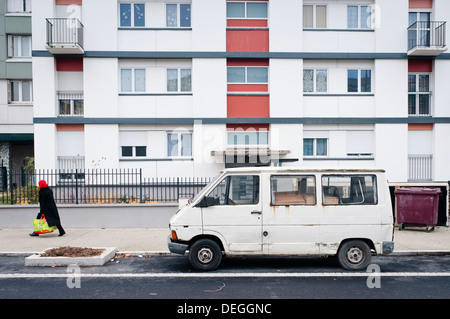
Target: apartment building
[[189, 87], [16, 89]]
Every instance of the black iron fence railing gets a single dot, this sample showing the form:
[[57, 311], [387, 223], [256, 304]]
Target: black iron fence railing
[[108, 186], [427, 34]]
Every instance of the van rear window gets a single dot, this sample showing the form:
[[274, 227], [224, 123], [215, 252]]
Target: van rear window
[[349, 190], [293, 190]]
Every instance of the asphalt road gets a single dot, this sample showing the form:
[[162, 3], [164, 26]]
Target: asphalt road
[[254, 281]]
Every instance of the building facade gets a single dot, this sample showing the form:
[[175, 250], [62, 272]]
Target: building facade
[[16, 85], [189, 87]]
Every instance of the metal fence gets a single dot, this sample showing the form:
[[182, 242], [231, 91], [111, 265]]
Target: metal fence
[[96, 186]]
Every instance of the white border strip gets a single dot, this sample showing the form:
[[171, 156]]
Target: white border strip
[[230, 275]]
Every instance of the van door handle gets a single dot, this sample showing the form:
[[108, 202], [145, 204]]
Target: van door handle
[[257, 212]]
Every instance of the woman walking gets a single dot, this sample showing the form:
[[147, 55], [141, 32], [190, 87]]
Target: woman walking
[[48, 208]]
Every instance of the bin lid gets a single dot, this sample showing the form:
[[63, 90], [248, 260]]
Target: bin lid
[[418, 190]]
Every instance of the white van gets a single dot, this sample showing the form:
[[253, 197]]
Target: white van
[[287, 211]]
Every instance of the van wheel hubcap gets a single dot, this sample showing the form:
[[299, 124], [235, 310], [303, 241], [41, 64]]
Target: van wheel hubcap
[[205, 255], [355, 255]]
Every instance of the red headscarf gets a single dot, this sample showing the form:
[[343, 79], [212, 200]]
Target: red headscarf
[[42, 184]]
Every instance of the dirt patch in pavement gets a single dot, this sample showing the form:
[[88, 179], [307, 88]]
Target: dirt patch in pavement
[[67, 251]]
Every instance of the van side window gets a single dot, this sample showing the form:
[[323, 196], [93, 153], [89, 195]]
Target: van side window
[[349, 190], [235, 190], [293, 190]]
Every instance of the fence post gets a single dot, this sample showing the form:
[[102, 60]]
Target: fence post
[[11, 184], [76, 186], [140, 185]]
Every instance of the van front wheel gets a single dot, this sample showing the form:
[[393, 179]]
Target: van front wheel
[[205, 254], [354, 255]]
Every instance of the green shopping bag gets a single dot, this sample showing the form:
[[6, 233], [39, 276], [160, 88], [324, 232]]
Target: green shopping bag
[[41, 226]]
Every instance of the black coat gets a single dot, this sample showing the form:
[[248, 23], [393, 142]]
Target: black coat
[[48, 207]]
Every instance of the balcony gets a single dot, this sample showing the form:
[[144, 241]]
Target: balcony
[[427, 38], [64, 36]]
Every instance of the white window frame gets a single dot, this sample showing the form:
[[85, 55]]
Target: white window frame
[[133, 79], [314, 155], [246, 68], [24, 5], [417, 92], [360, 8], [178, 136], [314, 15], [359, 80], [358, 137], [132, 20], [246, 10], [259, 137], [179, 71], [133, 151], [11, 38], [315, 80], [20, 93], [178, 24]]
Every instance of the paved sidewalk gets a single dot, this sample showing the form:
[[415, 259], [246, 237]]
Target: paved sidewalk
[[154, 241]]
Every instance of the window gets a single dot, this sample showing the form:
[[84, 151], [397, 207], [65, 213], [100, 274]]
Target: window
[[235, 190], [132, 80], [19, 46], [18, 6], [132, 15], [359, 80], [247, 10], [247, 74], [179, 80], [134, 151], [349, 190], [178, 15], [419, 95], [293, 190], [179, 144], [248, 138], [359, 143], [315, 81], [71, 107], [314, 16], [20, 91], [419, 29], [315, 147], [359, 17]]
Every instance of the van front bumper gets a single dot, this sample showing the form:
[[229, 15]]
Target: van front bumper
[[176, 248], [388, 247]]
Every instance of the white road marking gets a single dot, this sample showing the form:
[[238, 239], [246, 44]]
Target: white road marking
[[229, 275]]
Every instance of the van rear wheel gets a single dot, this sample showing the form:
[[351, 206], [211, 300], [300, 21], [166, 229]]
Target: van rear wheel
[[354, 255], [205, 254]]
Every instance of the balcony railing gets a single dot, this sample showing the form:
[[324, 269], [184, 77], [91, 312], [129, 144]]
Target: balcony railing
[[420, 168], [64, 36], [427, 38], [70, 162]]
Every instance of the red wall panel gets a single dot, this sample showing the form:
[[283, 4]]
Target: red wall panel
[[248, 88], [68, 2], [247, 41], [255, 23], [248, 106], [246, 127], [69, 64], [420, 66], [421, 4]]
